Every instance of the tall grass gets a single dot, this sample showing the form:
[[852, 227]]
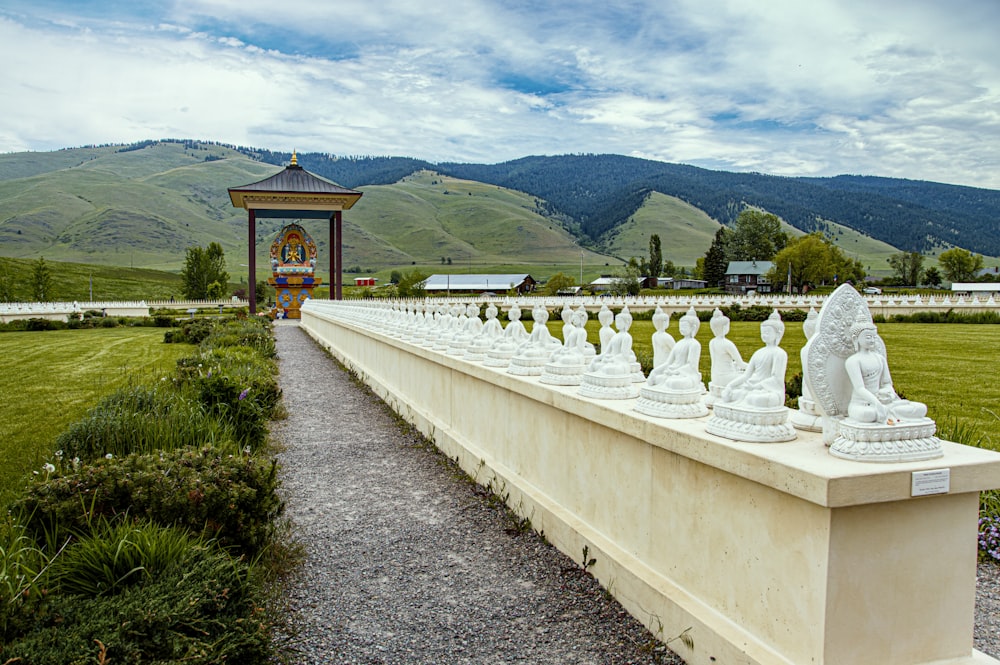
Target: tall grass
[[143, 419], [117, 554]]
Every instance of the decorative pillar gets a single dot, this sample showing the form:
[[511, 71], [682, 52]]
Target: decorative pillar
[[252, 263], [338, 254]]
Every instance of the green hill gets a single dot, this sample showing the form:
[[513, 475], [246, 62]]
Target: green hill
[[143, 205], [685, 231]]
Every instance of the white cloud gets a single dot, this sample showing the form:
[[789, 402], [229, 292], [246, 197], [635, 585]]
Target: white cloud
[[897, 88]]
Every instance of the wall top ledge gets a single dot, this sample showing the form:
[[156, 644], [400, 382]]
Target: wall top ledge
[[802, 467]]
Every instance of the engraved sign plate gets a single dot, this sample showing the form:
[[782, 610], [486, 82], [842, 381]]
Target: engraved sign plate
[[924, 483]]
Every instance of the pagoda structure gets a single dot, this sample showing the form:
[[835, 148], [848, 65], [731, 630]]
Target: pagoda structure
[[296, 194]]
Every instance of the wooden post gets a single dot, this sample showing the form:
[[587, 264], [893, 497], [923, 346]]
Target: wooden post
[[338, 253], [252, 263]]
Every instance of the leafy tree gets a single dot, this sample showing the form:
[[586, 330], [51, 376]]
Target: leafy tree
[[627, 282], [395, 276], [960, 265], [669, 269], [411, 284], [716, 263], [699, 268], [204, 274], [558, 282], [813, 259], [41, 280], [655, 256], [907, 267], [932, 277], [262, 290], [757, 236]]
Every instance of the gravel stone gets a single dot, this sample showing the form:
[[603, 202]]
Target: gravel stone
[[407, 561]]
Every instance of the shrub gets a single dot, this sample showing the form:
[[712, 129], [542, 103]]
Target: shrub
[[35, 325], [255, 334], [236, 384], [205, 609], [230, 497], [192, 331], [22, 582], [118, 554], [141, 419]]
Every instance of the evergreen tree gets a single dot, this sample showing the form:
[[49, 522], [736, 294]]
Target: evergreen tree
[[655, 256], [932, 277], [716, 262], [41, 280]]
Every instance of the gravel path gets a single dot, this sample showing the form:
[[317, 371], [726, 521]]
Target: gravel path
[[408, 562]]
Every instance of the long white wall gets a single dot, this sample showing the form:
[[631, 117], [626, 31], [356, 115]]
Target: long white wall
[[769, 553]]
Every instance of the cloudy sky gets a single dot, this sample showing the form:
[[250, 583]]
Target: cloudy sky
[[902, 88]]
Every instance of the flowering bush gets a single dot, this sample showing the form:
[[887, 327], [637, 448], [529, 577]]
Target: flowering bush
[[230, 497], [989, 537]]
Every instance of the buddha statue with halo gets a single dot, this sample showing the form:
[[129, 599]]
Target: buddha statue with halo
[[847, 373]]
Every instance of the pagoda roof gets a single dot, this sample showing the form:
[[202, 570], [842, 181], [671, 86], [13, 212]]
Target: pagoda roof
[[293, 192]]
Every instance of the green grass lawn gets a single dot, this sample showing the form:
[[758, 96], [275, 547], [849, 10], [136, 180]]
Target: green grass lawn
[[53, 377]]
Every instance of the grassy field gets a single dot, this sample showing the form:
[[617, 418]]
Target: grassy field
[[56, 376]]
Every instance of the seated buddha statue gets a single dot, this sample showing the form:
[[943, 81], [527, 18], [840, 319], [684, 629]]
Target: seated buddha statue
[[873, 399]]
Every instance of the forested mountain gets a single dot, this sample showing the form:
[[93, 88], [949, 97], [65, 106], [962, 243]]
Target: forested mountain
[[602, 191]]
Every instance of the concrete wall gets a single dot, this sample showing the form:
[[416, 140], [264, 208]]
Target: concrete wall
[[769, 553]]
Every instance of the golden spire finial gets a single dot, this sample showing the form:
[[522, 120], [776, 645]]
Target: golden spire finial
[[295, 161]]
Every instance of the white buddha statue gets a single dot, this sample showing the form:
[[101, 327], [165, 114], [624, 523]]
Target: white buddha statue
[[762, 383], [566, 366], [611, 373], [873, 399], [727, 363], [491, 330], [471, 326], [847, 374], [606, 317], [534, 352], [807, 417], [662, 341], [674, 389], [753, 404], [513, 336], [679, 371]]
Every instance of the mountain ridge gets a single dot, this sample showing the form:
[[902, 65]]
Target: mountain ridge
[[152, 199]]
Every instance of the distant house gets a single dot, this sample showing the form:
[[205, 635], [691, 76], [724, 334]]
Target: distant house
[[976, 288], [743, 276], [364, 281], [685, 283], [521, 283], [602, 283]]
